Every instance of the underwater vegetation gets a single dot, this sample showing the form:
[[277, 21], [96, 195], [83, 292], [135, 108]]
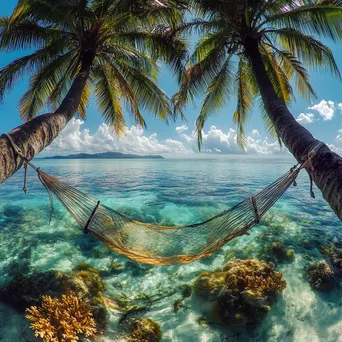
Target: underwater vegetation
[[186, 291], [242, 292], [61, 320]]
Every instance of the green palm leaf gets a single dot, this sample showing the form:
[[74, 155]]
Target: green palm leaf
[[276, 36], [216, 96], [108, 98]]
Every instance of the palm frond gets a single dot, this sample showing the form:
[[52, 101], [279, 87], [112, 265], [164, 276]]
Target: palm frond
[[294, 69], [15, 71], [205, 63], [41, 85], [108, 98], [127, 93], [149, 95], [245, 93], [162, 44], [82, 108], [216, 96], [306, 48], [321, 17], [27, 34], [276, 75]]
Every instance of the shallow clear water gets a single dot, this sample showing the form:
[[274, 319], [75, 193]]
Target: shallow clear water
[[173, 192]]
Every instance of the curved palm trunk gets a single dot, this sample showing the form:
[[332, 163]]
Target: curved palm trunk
[[327, 173], [33, 136]]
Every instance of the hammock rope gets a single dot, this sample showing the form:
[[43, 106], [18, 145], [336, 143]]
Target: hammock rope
[[166, 245]]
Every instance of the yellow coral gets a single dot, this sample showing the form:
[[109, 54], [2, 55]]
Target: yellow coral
[[254, 275], [61, 320]]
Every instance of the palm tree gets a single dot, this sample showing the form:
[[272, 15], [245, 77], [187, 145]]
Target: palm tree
[[261, 49], [112, 47]]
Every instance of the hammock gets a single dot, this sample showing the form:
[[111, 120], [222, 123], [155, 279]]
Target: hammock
[[165, 245]]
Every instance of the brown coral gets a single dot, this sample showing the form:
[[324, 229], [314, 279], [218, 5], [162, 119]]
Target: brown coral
[[145, 330], [320, 276], [254, 275], [243, 291], [61, 320]]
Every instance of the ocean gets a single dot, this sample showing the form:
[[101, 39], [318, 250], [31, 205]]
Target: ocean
[[172, 192]]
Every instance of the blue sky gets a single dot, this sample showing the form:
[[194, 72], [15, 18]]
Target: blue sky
[[323, 119]]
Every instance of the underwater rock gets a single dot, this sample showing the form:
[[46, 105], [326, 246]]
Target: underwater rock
[[17, 268], [242, 292], [13, 212], [144, 330], [281, 253], [24, 291], [320, 276]]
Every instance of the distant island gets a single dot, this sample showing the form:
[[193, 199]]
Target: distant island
[[105, 155]]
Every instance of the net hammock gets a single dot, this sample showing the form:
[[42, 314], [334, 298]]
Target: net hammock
[[165, 245]]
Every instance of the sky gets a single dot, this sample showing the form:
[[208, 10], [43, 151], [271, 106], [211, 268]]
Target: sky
[[322, 116]]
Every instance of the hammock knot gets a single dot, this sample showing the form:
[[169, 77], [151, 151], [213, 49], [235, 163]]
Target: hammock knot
[[255, 209], [91, 217], [308, 165], [14, 146]]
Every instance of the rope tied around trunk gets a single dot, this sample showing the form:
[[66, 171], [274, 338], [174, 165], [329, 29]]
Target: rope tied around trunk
[[167, 245]]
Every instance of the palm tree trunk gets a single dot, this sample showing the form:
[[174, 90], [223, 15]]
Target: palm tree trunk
[[327, 173], [33, 136]]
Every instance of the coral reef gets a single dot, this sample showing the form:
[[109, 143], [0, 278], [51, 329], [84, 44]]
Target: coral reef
[[242, 292], [281, 253], [335, 257], [61, 319], [85, 282], [145, 330], [24, 291], [320, 276], [88, 285]]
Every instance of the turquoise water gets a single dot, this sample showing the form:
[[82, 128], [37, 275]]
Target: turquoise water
[[173, 192]]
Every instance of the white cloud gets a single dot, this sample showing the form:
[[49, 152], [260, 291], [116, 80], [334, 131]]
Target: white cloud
[[181, 129], [217, 141], [306, 118], [325, 108], [339, 136], [340, 107], [255, 132], [336, 149], [75, 139]]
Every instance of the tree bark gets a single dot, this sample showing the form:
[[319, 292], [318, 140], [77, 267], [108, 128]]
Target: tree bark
[[35, 135], [327, 165]]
